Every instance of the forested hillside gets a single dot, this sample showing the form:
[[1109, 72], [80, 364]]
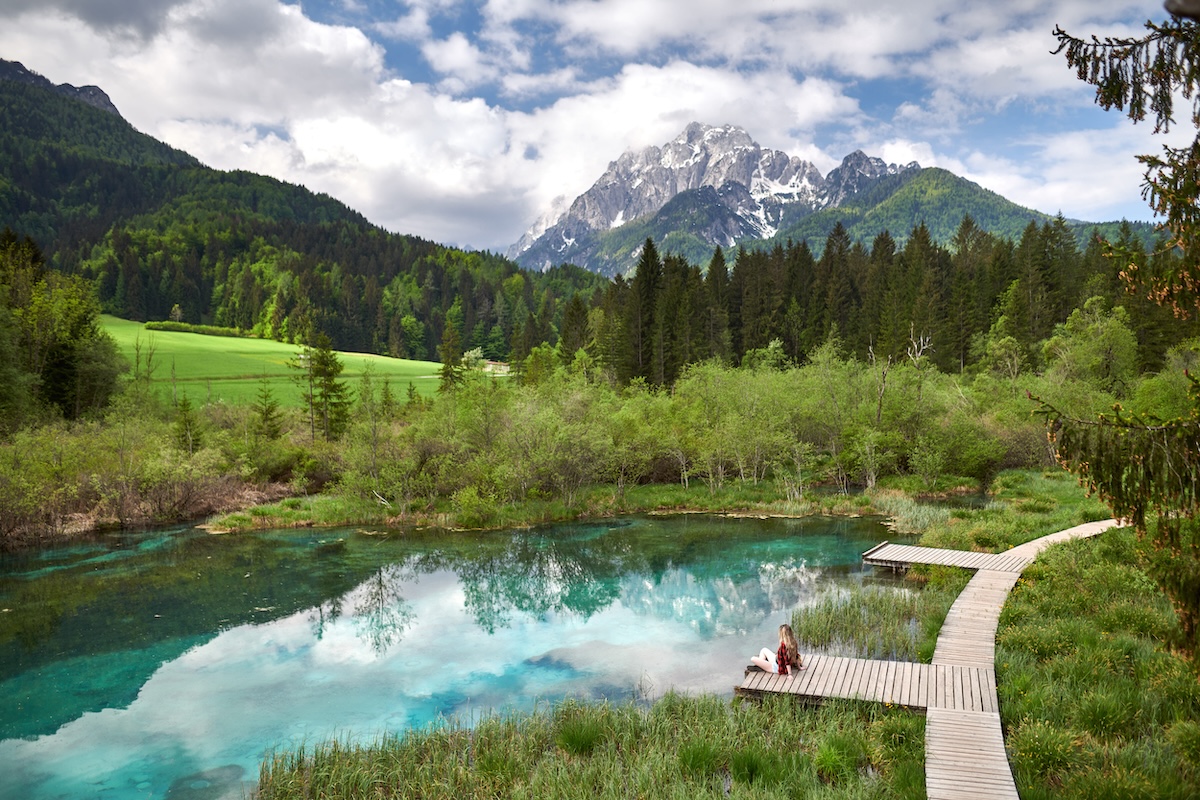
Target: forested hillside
[[160, 233]]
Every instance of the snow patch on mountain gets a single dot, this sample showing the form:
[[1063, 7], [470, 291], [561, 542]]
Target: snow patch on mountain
[[755, 184]]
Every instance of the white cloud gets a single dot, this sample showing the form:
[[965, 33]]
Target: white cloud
[[559, 82], [413, 26], [457, 58], [1085, 174], [259, 85]]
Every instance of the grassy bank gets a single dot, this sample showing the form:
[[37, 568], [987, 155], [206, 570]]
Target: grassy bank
[[218, 368], [679, 747], [469, 510], [1094, 701]]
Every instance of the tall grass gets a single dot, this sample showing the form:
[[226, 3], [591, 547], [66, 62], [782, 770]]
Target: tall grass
[[680, 747], [1094, 700], [880, 622]]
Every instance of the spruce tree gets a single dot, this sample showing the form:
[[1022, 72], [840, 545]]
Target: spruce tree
[[450, 354], [332, 396], [1148, 470], [268, 422], [716, 301], [641, 311]]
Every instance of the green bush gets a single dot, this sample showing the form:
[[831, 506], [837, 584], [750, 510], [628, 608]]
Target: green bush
[[700, 757], [579, 734], [1042, 749], [839, 757]]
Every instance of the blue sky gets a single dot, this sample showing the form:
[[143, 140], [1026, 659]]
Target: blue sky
[[462, 121]]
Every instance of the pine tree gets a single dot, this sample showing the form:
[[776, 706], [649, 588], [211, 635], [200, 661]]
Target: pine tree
[[450, 354], [187, 427], [716, 303], [573, 335]]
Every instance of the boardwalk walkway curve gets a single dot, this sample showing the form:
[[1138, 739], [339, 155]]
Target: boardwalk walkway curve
[[964, 742]]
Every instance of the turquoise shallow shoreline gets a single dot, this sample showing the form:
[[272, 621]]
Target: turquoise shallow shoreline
[[186, 657]]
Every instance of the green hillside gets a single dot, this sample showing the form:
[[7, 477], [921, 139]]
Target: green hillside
[[937, 198], [154, 229], [218, 368]]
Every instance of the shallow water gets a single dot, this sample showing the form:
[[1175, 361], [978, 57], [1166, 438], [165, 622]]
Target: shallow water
[[166, 664]]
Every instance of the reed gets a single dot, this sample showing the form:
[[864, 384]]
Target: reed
[[877, 622], [678, 747]]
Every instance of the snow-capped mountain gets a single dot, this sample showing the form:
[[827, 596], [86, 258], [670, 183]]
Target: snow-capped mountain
[[722, 185]]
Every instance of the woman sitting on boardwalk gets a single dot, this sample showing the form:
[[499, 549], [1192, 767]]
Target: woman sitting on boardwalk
[[788, 654]]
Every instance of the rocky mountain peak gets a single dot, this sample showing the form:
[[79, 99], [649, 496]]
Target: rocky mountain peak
[[753, 186], [92, 95]]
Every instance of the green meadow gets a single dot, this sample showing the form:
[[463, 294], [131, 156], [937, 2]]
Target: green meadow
[[219, 368]]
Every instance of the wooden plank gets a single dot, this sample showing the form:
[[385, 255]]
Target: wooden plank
[[879, 546], [874, 678], [826, 687], [808, 673], [906, 684], [883, 687], [846, 685], [850, 680], [866, 683], [977, 696]]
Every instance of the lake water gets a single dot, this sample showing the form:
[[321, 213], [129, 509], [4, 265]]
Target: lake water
[[166, 664]]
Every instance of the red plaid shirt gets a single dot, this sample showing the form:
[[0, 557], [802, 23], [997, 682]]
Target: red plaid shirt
[[782, 659]]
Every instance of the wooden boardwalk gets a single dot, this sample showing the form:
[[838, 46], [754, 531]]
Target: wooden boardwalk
[[900, 556], [964, 741], [897, 683]]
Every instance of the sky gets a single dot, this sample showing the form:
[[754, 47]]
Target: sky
[[462, 122]]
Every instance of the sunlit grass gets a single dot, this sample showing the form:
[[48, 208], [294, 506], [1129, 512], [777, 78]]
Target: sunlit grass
[[1095, 702], [219, 368]]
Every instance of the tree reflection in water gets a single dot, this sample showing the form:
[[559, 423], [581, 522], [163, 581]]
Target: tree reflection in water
[[381, 614]]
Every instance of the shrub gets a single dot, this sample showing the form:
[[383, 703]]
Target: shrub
[[579, 734], [839, 757], [473, 509], [1041, 749], [699, 757]]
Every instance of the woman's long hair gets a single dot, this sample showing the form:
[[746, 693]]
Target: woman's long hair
[[793, 648]]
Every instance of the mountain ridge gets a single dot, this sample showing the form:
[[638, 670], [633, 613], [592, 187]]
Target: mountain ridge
[[92, 95], [757, 197], [158, 233], [757, 187]]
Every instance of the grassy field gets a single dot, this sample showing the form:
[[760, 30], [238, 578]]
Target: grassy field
[[218, 368]]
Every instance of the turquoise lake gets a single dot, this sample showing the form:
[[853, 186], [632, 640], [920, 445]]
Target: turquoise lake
[[165, 664]]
